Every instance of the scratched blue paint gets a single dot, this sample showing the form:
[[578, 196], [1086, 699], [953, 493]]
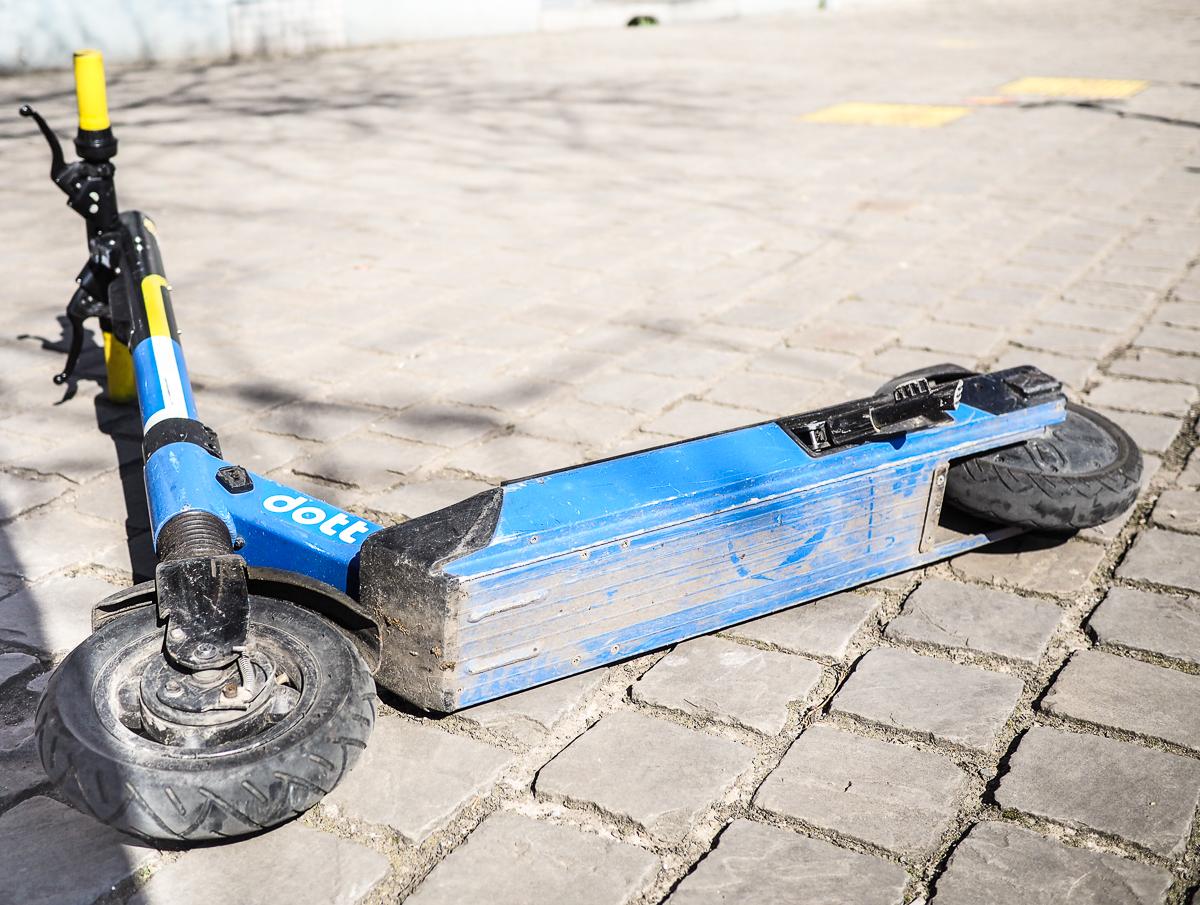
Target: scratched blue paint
[[279, 526], [646, 550], [574, 508]]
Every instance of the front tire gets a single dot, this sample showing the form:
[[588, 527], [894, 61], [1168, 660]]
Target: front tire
[[106, 764]]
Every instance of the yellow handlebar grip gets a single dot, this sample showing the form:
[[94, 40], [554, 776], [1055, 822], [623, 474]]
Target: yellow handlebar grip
[[90, 91]]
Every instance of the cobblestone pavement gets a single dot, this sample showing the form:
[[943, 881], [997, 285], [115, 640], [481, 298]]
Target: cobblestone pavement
[[405, 274]]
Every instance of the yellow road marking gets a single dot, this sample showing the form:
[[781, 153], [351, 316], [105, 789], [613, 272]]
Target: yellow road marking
[[1072, 87], [156, 311], [916, 116]]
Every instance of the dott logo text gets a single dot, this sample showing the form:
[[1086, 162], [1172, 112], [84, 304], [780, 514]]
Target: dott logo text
[[315, 515]]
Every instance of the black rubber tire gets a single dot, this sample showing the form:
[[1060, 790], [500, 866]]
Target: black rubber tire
[[1084, 472], [158, 791], [935, 374]]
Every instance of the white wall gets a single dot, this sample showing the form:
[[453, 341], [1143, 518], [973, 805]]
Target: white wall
[[42, 33]]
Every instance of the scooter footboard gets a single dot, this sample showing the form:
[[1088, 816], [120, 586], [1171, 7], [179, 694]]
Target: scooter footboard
[[566, 571]]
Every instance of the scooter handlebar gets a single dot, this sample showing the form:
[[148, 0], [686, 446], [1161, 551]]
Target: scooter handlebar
[[90, 91]]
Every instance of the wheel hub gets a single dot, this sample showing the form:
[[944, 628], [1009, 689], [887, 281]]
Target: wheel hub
[[212, 706]]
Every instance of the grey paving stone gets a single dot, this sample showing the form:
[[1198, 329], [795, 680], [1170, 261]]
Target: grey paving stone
[[729, 682], [414, 777], [19, 494], [819, 628], [514, 860], [957, 703], [1178, 510], [1128, 694], [1069, 341], [1146, 796], [424, 496], [54, 615], [893, 796], [694, 418], [757, 863], [529, 715], [1153, 364], [13, 664], [368, 461], [955, 615], [312, 420], [513, 456], [262, 452], [51, 539], [440, 424], [20, 767], [676, 772], [998, 862], [633, 392], [1033, 563], [1152, 433], [1143, 396], [51, 854], [1144, 620], [1164, 557], [293, 864], [1183, 314], [1089, 316], [1172, 339]]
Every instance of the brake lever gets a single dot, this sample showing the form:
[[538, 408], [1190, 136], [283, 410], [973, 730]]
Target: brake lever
[[58, 163]]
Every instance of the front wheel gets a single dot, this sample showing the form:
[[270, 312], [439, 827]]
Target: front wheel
[[224, 754]]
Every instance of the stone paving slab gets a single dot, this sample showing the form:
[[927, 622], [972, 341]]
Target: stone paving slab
[[954, 615], [53, 615], [895, 797], [999, 862], [655, 773], [293, 864], [513, 860], [1165, 558], [1036, 563], [1146, 796], [439, 772], [529, 715], [50, 854], [961, 704], [1138, 697], [1144, 620], [820, 628], [757, 863], [729, 682]]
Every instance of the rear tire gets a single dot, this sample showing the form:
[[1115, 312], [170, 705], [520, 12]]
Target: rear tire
[[1084, 472], [104, 764]]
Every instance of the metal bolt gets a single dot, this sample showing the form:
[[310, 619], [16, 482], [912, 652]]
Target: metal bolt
[[205, 651], [173, 689], [176, 633], [229, 689], [941, 479]]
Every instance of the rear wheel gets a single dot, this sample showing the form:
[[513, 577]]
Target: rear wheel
[[169, 755], [1083, 472]]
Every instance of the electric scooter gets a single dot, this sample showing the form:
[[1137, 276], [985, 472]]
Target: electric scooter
[[237, 688]]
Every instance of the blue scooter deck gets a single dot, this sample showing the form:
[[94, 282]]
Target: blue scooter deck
[[563, 572]]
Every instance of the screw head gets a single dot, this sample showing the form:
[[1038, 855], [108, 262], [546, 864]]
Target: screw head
[[205, 651], [176, 633], [173, 689], [229, 689]]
